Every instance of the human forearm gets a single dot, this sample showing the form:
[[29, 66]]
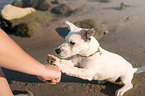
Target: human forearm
[[13, 57]]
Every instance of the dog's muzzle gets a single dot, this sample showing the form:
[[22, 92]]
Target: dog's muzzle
[[58, 51]]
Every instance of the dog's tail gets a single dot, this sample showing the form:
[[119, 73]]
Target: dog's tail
[[139, 70]]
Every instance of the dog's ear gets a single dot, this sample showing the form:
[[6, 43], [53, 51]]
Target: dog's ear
[[86, 34], [72, 27]]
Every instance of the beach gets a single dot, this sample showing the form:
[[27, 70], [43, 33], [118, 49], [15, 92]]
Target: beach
[[126, 37]]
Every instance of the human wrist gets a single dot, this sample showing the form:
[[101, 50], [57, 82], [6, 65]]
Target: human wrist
[[41, 71]]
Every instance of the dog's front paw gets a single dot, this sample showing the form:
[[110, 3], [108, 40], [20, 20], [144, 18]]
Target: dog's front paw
[[52, 59]]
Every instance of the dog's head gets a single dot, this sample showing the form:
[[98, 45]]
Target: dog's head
[[78, 41]]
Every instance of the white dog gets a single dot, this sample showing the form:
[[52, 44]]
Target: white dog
[[87, 60]]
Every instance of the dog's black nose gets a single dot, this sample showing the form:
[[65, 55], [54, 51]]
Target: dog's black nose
[[58, 51]]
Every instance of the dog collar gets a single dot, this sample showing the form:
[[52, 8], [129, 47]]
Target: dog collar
[[98, 51]]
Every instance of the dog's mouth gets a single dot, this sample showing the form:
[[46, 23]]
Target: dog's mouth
[[63, 55]]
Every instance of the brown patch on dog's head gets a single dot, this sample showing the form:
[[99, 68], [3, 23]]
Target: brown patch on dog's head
[[86, 34]]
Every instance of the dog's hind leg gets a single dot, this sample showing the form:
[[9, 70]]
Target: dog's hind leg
[[126, 80]]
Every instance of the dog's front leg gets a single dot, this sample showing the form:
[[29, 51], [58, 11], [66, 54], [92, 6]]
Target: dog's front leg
[[59, 62], [83, 73], [68, 67]]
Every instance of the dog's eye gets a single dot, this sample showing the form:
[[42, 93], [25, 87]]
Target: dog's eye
[[72, 43]]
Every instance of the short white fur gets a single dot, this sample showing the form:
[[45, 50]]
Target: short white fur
[[105, 66]]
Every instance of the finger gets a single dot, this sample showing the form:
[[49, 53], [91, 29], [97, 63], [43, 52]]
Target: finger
[[57, 80], [53, 81], [40, 78], [50, 82]]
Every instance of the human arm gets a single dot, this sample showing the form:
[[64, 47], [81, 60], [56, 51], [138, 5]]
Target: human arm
[[4, 86], [14, 58]]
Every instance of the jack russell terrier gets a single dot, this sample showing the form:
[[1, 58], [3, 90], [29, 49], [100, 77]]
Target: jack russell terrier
[[82, 57]]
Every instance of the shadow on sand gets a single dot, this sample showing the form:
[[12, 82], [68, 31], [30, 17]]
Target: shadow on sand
[[21, 77], [62, 31]]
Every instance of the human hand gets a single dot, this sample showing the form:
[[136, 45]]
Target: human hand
[[52, 74]]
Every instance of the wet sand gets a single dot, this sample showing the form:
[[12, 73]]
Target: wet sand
[[126, 38]]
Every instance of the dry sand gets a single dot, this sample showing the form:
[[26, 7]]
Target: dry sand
[[126, 37]]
